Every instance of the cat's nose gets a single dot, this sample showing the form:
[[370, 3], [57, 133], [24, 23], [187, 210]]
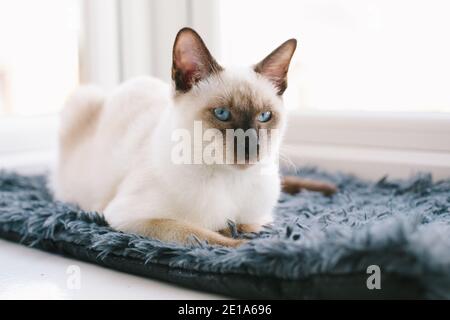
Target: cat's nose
[[252, 139], [251, 145], [246, 146]]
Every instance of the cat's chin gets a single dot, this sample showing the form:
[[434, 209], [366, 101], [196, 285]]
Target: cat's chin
[[246, 165], [243, 166]]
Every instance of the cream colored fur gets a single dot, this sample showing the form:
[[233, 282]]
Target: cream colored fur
[[115, 158], [116, 150]]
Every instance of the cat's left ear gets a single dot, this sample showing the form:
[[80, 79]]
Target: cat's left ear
[[192, 61], [275, 66]]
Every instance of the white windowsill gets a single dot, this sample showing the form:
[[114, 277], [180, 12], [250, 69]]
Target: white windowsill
[[28, 144], [20, 134], [29, 162], [368, 163], [413, 131], [371, 145]]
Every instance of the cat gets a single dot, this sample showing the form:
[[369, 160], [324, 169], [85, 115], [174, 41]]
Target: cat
[[116, 150]]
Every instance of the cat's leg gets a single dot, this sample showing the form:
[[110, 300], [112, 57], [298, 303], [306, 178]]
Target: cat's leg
[[171, 230], [293, 185], [139, 207]]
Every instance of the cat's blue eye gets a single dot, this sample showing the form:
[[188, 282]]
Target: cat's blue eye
[[223, 114], [264, 116]]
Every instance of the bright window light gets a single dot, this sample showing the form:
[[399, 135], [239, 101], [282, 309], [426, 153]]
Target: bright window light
[[364, 55], [38, 55]]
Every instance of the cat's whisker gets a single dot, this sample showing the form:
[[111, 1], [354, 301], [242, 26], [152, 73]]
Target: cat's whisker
[[288, 160]]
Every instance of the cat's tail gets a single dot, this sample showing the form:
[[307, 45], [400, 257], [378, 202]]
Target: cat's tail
[[80, 115], [294, 184]]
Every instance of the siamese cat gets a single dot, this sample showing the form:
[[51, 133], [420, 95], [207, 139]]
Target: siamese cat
[[116, 151]]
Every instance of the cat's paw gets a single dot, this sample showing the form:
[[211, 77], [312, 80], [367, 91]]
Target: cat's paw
[[226, 232], [249, 228]]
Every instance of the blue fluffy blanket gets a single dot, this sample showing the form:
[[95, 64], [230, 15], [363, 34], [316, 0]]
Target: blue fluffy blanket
[[319, 247]]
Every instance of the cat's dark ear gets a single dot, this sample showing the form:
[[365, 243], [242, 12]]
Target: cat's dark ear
[[192, 61], [275, 66]]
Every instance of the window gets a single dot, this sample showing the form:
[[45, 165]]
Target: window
[[368, 84], [39, 63], [361, 55]]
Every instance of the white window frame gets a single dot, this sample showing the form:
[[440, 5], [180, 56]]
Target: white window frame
[[123, 39], [371, 144], [119, 39], [29, 143]]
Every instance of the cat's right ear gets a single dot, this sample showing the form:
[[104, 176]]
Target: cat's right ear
[[275, 66], [192, 61]]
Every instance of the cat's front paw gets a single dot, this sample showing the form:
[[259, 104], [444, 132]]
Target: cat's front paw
[[234, 230]]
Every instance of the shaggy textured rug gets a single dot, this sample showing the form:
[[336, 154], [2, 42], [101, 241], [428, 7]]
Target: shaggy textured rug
[[319, 247]]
